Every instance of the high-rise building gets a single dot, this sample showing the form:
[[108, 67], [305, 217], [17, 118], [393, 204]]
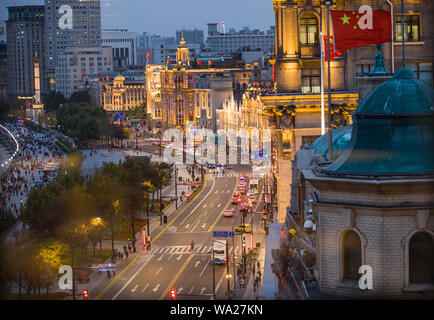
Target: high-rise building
[[2, 31], [25, 34], [190, 36], [244, 40], [85, 30], [76, 63], [3, 71], [123, 44]]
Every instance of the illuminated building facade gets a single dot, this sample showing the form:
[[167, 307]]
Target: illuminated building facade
[[121, 96]]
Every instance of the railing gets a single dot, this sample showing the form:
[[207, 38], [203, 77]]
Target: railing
[[8, 141]]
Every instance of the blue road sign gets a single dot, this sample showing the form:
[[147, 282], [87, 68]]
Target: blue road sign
[[222, 234]]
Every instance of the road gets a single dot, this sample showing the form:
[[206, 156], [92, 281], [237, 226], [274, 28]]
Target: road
[[170, 264]]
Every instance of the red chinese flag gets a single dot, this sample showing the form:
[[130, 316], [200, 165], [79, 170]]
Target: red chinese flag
[[169, 62], [352, 29], [148, 54], [199, 63], [210, 62], [333, 53]]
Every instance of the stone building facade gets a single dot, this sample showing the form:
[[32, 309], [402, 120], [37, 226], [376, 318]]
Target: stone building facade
[[373, 205], [122, 96]]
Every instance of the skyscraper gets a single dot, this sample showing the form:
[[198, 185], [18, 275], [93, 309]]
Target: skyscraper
[[25, 34], [84, 31]]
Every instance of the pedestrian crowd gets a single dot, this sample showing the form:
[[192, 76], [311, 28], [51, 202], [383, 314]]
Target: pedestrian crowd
[[36, 162]]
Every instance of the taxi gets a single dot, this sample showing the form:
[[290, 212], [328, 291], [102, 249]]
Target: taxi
[[244, 228], [228, 213]]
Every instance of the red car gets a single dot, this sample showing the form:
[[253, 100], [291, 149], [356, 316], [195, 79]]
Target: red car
[[244, 207]]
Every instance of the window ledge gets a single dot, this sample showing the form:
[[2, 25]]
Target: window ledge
[[348, 284], [419, 287], [409, 43]]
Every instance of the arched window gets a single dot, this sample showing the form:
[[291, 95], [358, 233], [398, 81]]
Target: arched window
[[308, 30], [352, 255], [421, 252]]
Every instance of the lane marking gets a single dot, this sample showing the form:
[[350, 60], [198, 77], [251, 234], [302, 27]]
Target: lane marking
[[197, 263], [159, 270], [219, 205], [221, 214], [135, 288], [176, 277], [131, 279], [180, 290], [202, 290], [188, 216], [187, 226], [161, 257], [203, 226], [200, 275], [156, 288], [218, 285], [145, 287], [179, 257], [195, 225], [191, 290], [152, 241]]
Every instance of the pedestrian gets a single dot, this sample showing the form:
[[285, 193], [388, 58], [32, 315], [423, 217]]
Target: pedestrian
[[253, 270], [259, 264], [108, 274], [242, 283], [134, 245], [259, 274], [129, 247]]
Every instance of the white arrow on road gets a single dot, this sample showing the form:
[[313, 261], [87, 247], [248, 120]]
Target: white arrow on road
[[187, 226], [159, 270], [203, 226], [156, 288], [219, 205], [135, 288], [196, 264], [179, 257], [179, 290], [202, 290], [161, 257]]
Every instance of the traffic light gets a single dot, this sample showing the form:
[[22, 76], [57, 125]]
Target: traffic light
[[172, 294], [85, 294], [165, 219]]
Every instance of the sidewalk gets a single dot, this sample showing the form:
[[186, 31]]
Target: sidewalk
[[269, 278]]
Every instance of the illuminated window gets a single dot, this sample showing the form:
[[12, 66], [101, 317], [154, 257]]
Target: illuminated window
[[411, 28], [310, 80], [421, 263], [308, 30]]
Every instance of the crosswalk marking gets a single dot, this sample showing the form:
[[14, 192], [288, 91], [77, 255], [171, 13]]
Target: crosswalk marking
[[199, 249]]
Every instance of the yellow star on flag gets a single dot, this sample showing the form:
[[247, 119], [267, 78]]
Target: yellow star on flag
[[345, 19]]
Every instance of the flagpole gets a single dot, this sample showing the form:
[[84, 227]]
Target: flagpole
[[329, 82], [403, 37], [322, 84], [392, 52]]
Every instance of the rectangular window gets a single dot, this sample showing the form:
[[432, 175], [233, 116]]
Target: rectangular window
[[311, 81], [411, 28], [308, 31], [362, 69], [422, 70]]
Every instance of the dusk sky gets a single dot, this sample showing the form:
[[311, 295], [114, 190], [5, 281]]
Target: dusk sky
[[166, 16]]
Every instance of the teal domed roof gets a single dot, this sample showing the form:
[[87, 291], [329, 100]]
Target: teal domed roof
[[393, 131], [340, 139], [403, 94]]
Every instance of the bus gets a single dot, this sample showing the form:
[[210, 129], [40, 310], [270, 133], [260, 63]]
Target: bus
[[219, 248], [253, 184]]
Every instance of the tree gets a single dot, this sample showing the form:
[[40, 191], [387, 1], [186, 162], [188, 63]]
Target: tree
[[53, 100], [82, 121], [80, 96]]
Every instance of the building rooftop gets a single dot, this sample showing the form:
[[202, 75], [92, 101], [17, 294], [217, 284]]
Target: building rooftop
[[393, 131]]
